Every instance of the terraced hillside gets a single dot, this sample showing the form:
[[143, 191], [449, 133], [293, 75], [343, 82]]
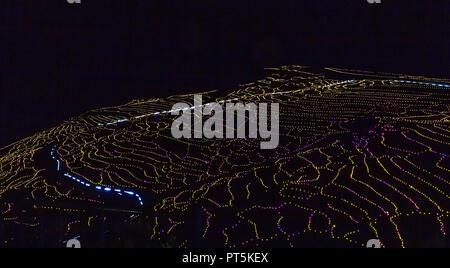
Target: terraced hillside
[[362, 155]]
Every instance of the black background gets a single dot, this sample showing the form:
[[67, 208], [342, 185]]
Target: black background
[[59, 60]]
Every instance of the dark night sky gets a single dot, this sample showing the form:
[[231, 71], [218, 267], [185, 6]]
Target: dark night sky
[[59, 60]]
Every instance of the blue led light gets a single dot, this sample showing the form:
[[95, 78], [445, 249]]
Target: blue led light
[[106, 189], [422, 83]]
